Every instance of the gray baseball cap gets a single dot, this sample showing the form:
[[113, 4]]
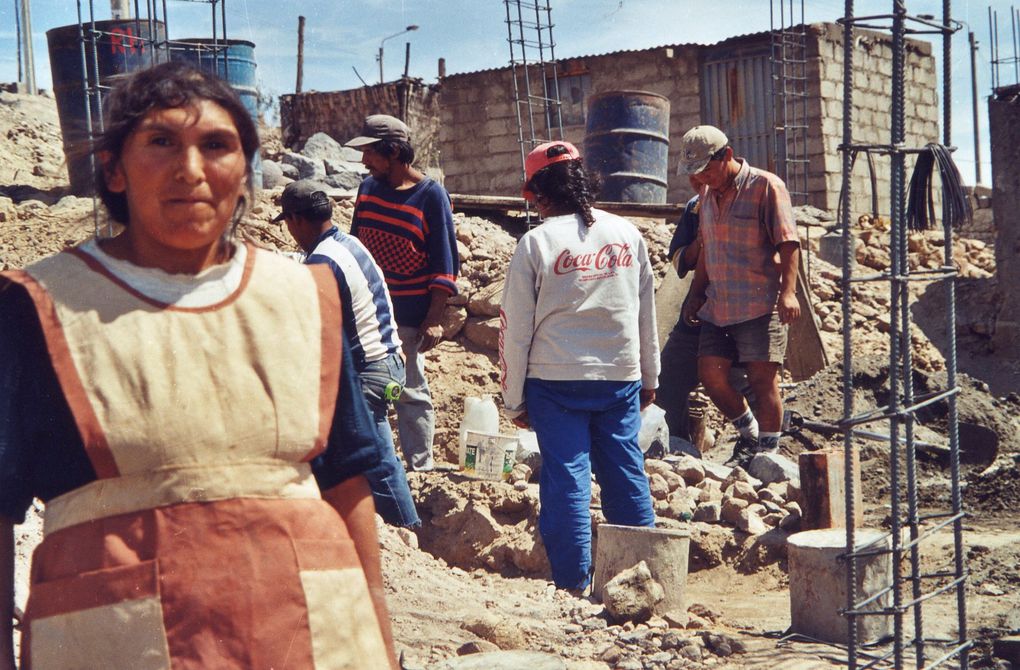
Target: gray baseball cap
[[302, 196], [380, 127], [697, 146]]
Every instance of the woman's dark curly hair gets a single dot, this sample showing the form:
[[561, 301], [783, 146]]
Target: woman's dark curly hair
[[165, 86], [567, 185]]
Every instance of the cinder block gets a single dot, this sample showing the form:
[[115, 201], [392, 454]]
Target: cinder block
[[1008, 649]]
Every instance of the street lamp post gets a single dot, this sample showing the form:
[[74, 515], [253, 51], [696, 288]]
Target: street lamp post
[[380, 57]]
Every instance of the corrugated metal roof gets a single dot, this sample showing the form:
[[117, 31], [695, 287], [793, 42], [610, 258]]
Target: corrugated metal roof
[[745, 36]]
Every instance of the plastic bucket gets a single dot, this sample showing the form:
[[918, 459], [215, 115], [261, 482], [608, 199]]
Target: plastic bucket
[[120, 47], [626, 142], [489, 455]]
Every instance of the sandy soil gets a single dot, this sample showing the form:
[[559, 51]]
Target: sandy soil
[[475, 574]]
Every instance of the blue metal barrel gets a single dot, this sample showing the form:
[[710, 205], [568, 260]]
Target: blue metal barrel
[[626, 142], [232, 61], [120, 47]]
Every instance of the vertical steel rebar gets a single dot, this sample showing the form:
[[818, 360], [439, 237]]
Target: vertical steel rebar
[[896, 290], [951, 382], [846, 287]]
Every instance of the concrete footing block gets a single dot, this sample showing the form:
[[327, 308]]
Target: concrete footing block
[[664, 550], [818, 584]]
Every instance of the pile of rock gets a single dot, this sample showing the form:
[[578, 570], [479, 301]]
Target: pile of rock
[[685, 488], [321, 158]]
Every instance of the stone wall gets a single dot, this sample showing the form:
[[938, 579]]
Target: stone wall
[[340, 114], [872, 111], [479, 142], [1004, 120]]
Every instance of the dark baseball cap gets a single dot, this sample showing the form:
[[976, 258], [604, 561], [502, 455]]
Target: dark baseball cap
[[380, 127], [301, 196]]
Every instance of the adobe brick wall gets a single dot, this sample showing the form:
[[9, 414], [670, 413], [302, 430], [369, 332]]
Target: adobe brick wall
[[479, 140], [340, 114], [872, 111], [1004, 121], [480, 151]]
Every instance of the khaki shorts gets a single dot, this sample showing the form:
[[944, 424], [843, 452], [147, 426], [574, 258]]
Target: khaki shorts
[[757, 340]]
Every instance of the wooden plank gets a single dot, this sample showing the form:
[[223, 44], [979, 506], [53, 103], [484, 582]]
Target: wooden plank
[[823, 489], [805, 350]]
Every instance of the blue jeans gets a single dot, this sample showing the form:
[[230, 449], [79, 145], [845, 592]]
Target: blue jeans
[[416, 417], [388, 480], [584, 427]]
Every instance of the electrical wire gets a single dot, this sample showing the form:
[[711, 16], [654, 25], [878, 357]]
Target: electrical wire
[[920, 198]]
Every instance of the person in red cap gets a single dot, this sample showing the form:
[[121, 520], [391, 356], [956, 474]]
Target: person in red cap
[[579, 356]]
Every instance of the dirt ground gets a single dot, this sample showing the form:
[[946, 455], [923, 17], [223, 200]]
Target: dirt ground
[[474, 579]]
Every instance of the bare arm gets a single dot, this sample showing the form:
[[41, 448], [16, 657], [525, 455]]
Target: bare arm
[[696, 295], [6, 594], [352, 499], [431, 330], [789, 262]]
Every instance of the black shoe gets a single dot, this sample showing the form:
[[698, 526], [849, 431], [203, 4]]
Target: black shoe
[[743, 452]]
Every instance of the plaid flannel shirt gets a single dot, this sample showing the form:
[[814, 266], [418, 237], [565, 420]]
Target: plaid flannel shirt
[[741, 229]]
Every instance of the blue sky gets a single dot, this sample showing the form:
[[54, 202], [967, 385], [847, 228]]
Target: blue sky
[[344, 35]]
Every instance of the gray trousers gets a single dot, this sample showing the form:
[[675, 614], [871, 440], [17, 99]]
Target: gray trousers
[[416, 417]]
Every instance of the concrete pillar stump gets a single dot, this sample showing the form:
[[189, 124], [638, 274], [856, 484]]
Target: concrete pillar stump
[[818, 584], [664, 550]]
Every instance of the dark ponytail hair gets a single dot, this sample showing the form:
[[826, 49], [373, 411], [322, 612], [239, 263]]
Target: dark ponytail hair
[[567, 185]]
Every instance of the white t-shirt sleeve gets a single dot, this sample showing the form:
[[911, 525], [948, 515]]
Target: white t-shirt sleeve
[[648, 330]]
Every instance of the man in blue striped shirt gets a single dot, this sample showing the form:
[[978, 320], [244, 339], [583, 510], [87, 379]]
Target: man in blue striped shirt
[[370, 333], [405, 221]]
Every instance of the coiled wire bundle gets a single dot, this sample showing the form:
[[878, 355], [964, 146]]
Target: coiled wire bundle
[[920, 201]]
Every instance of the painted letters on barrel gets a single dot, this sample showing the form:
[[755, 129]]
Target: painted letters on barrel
[[627, 143], [120, 47]]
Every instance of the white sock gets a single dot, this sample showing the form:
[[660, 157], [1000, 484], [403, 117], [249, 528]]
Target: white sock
[[747, 425]]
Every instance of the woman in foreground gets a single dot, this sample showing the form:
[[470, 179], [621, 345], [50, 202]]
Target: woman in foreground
[[181, 404]]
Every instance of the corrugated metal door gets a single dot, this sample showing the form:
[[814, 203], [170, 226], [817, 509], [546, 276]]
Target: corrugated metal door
[[736, 96]]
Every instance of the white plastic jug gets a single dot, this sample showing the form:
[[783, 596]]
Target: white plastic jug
[[480, 415]]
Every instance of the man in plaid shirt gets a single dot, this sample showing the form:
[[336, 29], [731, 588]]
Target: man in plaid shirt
[[744, 288]]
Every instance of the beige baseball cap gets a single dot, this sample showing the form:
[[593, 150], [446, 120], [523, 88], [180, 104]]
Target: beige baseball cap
[[697, 146]]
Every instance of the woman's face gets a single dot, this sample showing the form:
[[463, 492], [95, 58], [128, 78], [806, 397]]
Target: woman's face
[[183, 171]]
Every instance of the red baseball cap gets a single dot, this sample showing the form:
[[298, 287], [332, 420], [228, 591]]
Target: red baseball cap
[[545, 155]]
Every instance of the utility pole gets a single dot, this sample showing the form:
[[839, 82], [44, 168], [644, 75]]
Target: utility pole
[[26, 46], [974, 98], [300, 52]]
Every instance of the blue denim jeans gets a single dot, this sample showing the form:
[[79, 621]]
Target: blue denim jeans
[[416, 417], [388, 480], [583, 427]]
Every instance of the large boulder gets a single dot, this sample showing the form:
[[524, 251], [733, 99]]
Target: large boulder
[[771, 468]]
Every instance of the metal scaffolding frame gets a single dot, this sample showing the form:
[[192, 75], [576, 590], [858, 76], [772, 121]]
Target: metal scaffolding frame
[[533, 57], [788, 39], [910, 587], [1000, 62], [150, 13]]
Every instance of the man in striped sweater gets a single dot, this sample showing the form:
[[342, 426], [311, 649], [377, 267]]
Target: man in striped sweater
[[405, 220]]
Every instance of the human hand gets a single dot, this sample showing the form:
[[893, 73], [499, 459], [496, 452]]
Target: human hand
[[788, 307], [647, 397], [521, 420], [429, 336], [691, 307]]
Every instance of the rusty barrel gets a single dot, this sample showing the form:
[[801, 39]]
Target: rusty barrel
[[626, 142]]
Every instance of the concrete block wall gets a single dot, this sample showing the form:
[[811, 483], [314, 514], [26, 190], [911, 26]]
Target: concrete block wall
[[479, 144], [1004, 122], [872, 111], [340, 114]]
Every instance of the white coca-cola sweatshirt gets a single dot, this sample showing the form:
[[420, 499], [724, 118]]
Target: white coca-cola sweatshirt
[[579, 303]]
